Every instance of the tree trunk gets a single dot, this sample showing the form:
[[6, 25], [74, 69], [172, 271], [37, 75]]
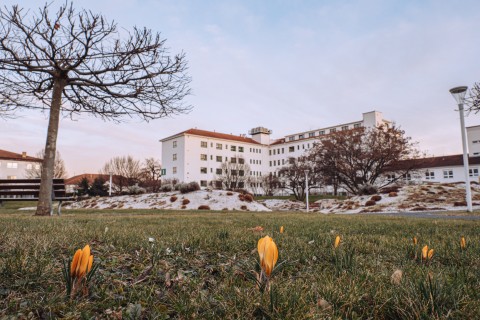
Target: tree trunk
[[44, 207]]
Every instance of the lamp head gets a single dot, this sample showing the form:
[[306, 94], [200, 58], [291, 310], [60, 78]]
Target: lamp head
[[459, 93]]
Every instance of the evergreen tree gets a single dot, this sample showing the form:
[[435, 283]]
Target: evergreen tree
[[98, 188], [83, 187]]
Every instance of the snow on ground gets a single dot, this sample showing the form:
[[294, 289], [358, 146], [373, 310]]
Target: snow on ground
[[214, 199], [410, 198]]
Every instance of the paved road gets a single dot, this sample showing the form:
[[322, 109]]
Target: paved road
[[426, 214]]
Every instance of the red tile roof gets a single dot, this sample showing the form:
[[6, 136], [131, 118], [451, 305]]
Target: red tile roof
[[212, 134], [90, 177], [7, 155], [436, 162]]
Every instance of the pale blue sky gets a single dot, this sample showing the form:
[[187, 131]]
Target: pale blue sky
[[289, 66]]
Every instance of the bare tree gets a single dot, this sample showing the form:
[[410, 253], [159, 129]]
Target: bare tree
[[235, 173], [473, 98], [59, 169], [151, 174], [292, 176], [75, 62], [125, 172], [362, 157], [270, 183]]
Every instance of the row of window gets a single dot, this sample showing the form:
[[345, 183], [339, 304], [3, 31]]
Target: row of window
[[204, 170], [430, 175], [322, 132], [14, 165]]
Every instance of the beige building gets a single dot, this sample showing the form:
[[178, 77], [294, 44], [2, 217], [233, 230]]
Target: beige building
[[15, 165]]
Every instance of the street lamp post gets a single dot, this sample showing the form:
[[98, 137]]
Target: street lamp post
[[306, 188], [110, 186], [459, 94]]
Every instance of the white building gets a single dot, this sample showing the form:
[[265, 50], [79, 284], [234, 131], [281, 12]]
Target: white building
[[197, 155], [445, 169], [15, 165]]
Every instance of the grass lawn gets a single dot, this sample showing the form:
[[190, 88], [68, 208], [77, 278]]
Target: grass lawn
[[200, 262]]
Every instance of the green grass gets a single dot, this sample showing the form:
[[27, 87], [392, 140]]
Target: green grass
[[200, 263]]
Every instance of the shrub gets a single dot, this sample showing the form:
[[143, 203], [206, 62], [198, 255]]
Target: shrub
[[241, 197], [185, 201], [370, 203], [229, 193], [243, 207], [135, 190], [203, 207], [392, 194], [189, 187], [248, 197], [166, 188], [367, 189], [376, 198], [388, 189], [173, 198], [183, 207], [460, 204]]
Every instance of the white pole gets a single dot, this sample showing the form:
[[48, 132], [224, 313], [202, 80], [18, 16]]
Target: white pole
[[306, 187], [110, 186], [465, 160]]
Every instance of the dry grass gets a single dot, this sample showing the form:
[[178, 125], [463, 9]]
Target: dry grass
[[198, 266]]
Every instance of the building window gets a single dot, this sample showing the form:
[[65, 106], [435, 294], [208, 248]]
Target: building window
[[241, 160], [240, 149], [291, 138], [233, 160], [233, 172], [11, 177], [203, 170], [291, 149], [274, 151], [270, 163], [204, 144], [407, 177], [203, 157], [473, 172], [475, 141], [390, 177], [283, 150], [322, 132], [357, 125], [174, 169], [333, 130], [241, 173], [175, 144], [311, 134], [174, 157], [219, 158], [291, 160], [219, 146], [344, 128], [29, 166], [218, 171], [448, 174], [233, 148], [301, 136], [429, 175], [12, 165], [203, 183]]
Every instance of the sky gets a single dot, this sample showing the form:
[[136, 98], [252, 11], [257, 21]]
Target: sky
[[290, 66]]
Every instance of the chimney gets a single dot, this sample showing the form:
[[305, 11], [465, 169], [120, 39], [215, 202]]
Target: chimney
[[24, 154]]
